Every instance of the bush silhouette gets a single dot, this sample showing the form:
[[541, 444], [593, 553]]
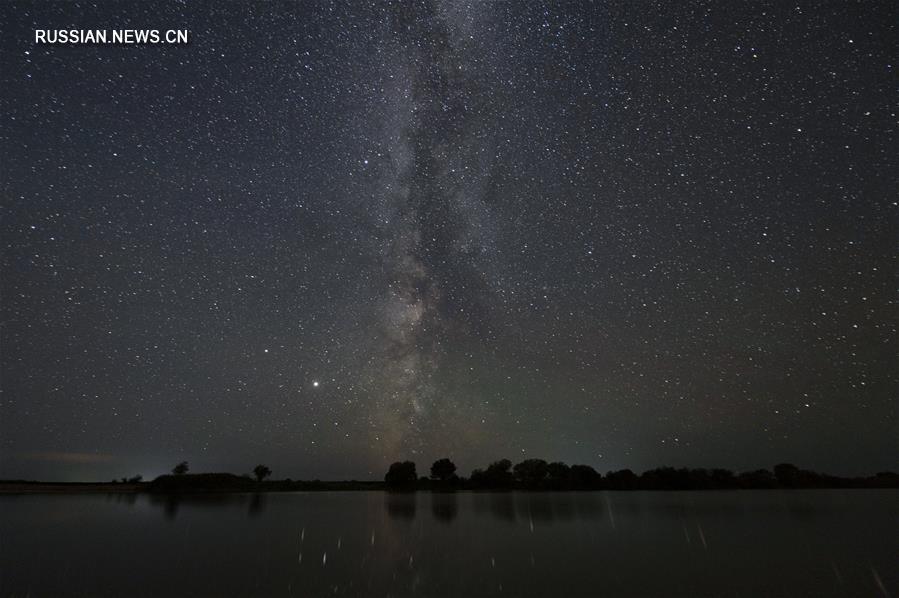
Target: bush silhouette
[[261, 472], [201, 482], [401, 473], [181, 468]]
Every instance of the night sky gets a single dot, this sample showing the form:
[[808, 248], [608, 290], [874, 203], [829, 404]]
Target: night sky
[[327, 236]]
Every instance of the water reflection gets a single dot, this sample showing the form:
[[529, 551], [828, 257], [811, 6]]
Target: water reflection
[[444, 506], [122, 498], [500, 505], [544, 507], [253, 503], [257, 504], [512, 507], [401, 505], [452, 544]]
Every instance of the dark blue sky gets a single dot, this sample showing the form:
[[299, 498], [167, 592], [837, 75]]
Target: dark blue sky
[[329, 236]]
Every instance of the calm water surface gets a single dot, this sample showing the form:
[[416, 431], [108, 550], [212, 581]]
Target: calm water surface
[[752, 543]]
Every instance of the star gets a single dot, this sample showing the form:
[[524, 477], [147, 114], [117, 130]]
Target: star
[[577, 216]]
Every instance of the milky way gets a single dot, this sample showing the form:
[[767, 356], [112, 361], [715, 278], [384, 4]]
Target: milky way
[[433, 219], [329, 236]]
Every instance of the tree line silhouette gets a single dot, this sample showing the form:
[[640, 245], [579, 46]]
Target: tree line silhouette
[[530, 474], [537, 474]]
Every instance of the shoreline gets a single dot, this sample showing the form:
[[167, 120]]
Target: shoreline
[[68, 488]]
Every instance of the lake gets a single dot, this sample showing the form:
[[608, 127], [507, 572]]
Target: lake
[[725, 543]]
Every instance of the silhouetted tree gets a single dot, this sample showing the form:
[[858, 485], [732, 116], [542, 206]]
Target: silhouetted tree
[[786, 474], [760, 478], [813, 479], [531, 472], [558, 475], [624, 479], [443, 470], [181, 468], [669, 478], [136, 479], [584, 477], [663, 478], [401, 474], [884, 479], [478, 478], [723, 478], [699, 478], [498, 474], [261, 472]]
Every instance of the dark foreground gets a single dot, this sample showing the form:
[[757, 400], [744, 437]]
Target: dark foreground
[[741, 543]]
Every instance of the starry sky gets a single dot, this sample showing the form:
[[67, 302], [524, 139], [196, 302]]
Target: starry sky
[[326, 236]]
